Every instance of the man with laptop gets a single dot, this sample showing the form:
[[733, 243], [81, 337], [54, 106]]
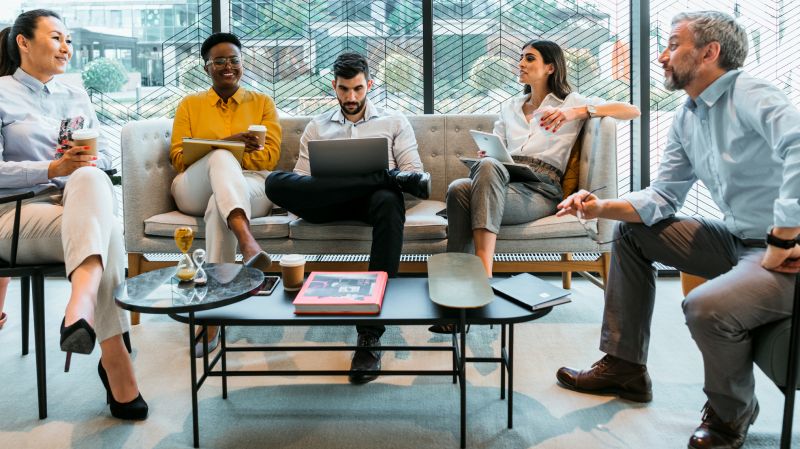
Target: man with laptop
[[355, 162]]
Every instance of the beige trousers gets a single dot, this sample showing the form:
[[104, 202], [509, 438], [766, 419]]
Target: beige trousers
[[69, 228], [214, 187]]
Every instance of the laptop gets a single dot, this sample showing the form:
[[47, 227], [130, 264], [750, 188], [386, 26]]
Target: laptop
[[530, 292], [347, 157]]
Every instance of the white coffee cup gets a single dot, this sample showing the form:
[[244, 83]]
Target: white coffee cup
[[260, 131], [86, 138], [292, 271]]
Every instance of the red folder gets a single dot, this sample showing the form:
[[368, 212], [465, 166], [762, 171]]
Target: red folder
[[347, 293]]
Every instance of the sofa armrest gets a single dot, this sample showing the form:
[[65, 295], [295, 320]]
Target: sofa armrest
[[147, 176], [599, 165]]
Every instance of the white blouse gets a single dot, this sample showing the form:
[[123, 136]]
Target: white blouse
[[532, 140]]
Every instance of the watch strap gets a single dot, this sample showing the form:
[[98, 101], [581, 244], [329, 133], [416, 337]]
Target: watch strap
[[781, 243]]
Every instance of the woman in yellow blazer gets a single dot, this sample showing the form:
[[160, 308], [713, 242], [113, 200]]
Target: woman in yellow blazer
[[217, 187]]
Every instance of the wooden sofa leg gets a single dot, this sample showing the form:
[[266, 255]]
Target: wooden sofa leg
[[566, 276], [134, 269], [605, 260]]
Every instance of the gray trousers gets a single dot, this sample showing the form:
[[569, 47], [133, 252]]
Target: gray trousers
[[488, 199], [739, 296], [69, 228]]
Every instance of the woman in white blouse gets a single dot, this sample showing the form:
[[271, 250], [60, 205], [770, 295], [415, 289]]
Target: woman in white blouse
[[539, 129], [74, 221]]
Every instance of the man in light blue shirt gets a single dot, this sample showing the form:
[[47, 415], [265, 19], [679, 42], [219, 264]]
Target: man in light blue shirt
[[740, 136]]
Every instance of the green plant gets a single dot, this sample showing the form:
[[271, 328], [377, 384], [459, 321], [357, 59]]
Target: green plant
[[104, 75], [491, 72], [191, 75], [401, 73]]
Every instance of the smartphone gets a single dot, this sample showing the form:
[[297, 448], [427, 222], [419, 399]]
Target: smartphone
[[269, 285]]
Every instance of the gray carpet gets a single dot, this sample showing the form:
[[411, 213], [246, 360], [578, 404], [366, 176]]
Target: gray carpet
[[393, 412]]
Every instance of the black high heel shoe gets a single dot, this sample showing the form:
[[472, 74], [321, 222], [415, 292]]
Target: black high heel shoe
[[134, 410], [77, 337]]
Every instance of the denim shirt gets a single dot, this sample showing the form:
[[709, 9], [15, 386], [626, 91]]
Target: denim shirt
[[30, 117], [741, 138]]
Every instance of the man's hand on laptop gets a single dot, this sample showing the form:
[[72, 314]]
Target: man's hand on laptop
[[250, 140]]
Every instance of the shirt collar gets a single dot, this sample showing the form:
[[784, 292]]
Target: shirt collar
[[213, 98], [35, 85], [549, 100], [370, 112], [711, 94]]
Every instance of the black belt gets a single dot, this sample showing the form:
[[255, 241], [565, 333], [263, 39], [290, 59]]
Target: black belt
[[754, 243]]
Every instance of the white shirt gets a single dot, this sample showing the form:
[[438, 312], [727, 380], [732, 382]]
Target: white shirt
[[376, 122], [532, 140]]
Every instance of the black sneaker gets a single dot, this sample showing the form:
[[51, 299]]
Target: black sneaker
[[413, 183], [366, 359]]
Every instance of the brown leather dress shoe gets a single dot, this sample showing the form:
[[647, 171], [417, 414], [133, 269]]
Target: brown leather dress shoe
[[713, 433], [610, 376]]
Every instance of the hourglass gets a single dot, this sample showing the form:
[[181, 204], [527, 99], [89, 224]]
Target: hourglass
[[186, 269], [199, 258]]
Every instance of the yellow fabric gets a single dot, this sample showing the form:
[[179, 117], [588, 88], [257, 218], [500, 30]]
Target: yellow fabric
[[569, 183], [205, 116]]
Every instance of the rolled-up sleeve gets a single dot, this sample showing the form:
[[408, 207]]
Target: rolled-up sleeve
[[302, 166], [405, 148], [665, 196], [22, 173]]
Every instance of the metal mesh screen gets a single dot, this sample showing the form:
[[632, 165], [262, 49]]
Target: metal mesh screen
[[290, 46], [477, 46], [773, 28]]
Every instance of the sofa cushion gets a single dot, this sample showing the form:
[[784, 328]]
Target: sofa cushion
[[546, 228], [164, 225], [422, 223]]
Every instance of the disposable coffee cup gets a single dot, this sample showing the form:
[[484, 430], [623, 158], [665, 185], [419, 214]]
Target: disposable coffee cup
[[86, 138], [260, 131], [292, 271]]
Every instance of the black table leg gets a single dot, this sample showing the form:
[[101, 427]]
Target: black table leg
[[463, 377], [25, 305], [224, 363], [193, 369], [205, 349], [503, 365], [510, 376]]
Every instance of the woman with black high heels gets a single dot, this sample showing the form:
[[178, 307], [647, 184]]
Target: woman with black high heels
[[74, 222]]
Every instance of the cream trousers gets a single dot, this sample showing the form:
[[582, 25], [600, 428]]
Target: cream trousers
[[214, 187], [69, 228]]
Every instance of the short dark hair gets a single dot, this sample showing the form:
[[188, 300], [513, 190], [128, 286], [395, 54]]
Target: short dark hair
[[349, 65], [218, 38]]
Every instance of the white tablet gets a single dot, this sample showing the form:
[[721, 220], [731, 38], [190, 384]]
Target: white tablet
[[491, 145]]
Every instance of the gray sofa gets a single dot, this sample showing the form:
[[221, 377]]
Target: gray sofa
[[150, 215]]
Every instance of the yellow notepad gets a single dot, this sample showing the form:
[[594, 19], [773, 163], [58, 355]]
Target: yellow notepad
[[195, 149]]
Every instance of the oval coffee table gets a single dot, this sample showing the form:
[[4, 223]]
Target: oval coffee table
[[160, 292]]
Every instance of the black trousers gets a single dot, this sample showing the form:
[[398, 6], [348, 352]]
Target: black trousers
[[373, 198]]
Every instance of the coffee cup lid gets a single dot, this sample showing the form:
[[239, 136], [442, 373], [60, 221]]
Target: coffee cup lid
[[292, 260], [257, 128], [81, 134]]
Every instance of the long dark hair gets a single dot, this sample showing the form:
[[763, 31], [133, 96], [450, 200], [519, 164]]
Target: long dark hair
[[552, 54], [24, 25]]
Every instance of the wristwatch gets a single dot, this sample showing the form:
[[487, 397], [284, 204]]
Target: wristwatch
[[591, 110], [781, 243]]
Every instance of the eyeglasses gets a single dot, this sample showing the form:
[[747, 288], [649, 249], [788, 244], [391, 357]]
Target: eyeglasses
[[235, 61]]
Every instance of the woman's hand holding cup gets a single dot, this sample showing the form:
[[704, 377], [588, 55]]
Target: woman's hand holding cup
[[72, 159]]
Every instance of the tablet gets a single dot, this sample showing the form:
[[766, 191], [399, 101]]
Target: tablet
[[491, 145]]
